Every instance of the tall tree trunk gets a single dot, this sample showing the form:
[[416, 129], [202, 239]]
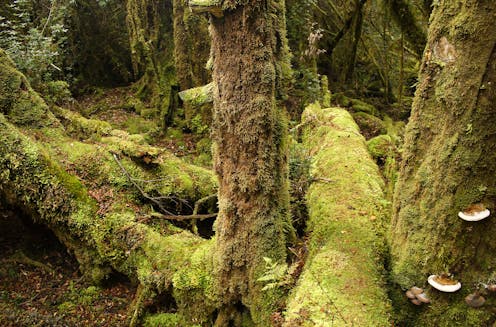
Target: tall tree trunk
[[191, 47], [150, 33], [250, 57], [449, 163]]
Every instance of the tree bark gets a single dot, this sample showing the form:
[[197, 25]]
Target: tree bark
[[249, 58], [413, 32], [449, 163], [191, 47]]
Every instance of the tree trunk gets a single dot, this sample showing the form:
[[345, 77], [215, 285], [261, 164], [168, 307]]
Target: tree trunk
[[250, 57], [152, 52], [191, 47], [413, 32], [449, 163]]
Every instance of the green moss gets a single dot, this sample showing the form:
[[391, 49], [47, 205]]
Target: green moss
[[18, 101], [342, 280], [80, 127], [381, 147], [354, 104], [198, 95], [57, 92], [163, 320], [370, 126]]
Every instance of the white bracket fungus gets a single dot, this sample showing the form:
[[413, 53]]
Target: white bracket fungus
[[444, 284]]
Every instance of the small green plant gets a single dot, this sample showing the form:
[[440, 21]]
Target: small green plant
[[275, 275]]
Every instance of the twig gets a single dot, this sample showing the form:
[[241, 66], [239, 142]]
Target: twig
[[143, 193], [322, 179], [184, 217], [329, 300]]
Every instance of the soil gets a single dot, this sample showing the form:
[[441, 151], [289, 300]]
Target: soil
[[40, 284]]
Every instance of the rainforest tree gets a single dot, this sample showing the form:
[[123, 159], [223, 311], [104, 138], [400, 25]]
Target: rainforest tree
[[250, 66], [449, 165]]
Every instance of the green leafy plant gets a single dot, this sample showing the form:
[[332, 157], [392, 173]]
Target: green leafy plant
[[34, 40], [275, 274]]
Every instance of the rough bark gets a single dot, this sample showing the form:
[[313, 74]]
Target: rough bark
[[191, 47], [449, 164], [250, 61], [341, 283]]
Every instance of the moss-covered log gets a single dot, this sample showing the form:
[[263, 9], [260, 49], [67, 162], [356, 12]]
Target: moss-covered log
[[449, 164], [79, 191], [342, 282]]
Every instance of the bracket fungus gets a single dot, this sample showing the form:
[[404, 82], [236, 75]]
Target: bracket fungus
[[490, 287], [474, 212], [417, 296], [444, 283], [475, 300]]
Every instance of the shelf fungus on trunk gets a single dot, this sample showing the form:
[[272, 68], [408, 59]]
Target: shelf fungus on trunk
[[444, 283], [475, 300], [417, 296], [490, 287], [475, 212], [202, 6]]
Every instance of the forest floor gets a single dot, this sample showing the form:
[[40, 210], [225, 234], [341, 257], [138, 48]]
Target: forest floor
[[40, 284]]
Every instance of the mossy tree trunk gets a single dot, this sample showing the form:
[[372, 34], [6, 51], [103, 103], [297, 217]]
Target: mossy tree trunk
[[191, 47], [413, 32], [150, 33], [249, 60], [448, 164]]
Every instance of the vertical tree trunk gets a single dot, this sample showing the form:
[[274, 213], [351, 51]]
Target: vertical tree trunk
[[449, 163], [150, 33], [250, 57], [191, 46]]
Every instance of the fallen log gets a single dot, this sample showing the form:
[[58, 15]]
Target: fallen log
[[342, 282]]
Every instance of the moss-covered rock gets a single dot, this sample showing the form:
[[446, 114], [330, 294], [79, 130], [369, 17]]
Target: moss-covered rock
[[342, 281], [354, 105], [380, 147]]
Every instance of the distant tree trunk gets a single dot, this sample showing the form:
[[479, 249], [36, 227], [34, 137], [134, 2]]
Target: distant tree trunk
[[414, 33], [250, 57], [449, 163], [191, 46], [152, 50], [357, 33]]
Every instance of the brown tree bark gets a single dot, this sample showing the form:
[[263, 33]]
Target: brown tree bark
[[249, 57]]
